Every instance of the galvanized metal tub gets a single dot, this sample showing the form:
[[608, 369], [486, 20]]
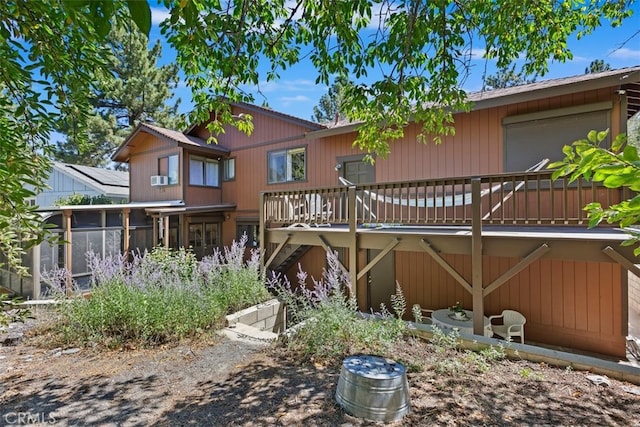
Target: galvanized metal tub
[[373, 388]]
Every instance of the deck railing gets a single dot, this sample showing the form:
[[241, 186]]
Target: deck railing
[[530, 198]]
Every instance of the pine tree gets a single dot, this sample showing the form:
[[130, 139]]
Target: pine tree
[[504, 78], [330, 108], [137, 91], [597, 66]]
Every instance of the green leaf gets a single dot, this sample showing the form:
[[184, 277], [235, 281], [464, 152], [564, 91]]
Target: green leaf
[[617, 143], [592, 136], [630, 153], [602, 135], [141, 15]]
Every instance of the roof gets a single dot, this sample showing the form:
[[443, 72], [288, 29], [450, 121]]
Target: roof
[[628, 79], [108, 182], [173, 136], [116, 206], [555, 87], [311, 125]]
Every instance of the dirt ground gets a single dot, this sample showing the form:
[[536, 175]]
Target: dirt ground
[[243, 382]]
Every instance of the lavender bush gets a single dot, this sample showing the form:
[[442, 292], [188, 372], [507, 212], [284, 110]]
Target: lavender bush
[[328, 324], [158, 296]]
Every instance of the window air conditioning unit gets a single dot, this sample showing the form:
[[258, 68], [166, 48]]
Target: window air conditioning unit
[[159, 180]]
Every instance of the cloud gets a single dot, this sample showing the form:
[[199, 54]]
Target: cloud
[[296, 85], [288, 100], [625, 53], [477, 53], [158, 15]]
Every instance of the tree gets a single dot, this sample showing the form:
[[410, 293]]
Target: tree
[[597, 66], [52, 54], [504, 78], [617, 166], [137, 90], [415, 52], [330, 107]]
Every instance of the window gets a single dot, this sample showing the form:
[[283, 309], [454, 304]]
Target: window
[[204, 172], [169, 167], [287, 165], [252, 232], [229, 169]]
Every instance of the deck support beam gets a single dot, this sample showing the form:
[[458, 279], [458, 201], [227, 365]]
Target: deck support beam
[[521, 265], [327, 248], [379, 257], [477, 293], [277, 251], [620, 259], [445, 265]]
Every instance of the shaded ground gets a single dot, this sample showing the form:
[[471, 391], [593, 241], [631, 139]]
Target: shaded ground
[[230, 382]]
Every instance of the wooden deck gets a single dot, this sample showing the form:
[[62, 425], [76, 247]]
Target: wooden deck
[[461, 226]]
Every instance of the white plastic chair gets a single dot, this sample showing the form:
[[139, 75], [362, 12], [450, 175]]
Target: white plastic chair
[[425, 314], [512, 325]]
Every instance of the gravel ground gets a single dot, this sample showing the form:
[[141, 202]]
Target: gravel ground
[[243, 382]]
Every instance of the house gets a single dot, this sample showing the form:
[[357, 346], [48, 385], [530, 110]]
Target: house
[[68, 179], [461, 221]]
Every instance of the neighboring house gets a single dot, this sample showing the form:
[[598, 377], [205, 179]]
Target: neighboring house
[[425, 230], [67, 179]]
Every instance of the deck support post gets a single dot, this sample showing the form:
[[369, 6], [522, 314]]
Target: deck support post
[[360, 289], [476, 258], [261, 232], [127, 231], [68, 253]]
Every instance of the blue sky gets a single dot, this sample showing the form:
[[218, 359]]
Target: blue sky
[[296, 93]]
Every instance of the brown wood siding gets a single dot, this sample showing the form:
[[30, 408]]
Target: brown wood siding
[[567, 303], [143, 164], [198, 195], [477, 146]]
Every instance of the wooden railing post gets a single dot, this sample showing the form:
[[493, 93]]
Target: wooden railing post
[[476, 257]]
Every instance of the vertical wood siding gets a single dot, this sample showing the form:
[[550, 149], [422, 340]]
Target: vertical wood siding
[[144, 163], [567, 303]]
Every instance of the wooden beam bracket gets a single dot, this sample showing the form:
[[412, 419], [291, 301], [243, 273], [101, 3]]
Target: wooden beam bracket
[[620, 259], [392, 244], [521, 265], [444, 264], [277, 251]]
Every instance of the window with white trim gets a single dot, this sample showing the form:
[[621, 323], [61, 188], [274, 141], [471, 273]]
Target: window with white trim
[[287, 165], [204, 172]]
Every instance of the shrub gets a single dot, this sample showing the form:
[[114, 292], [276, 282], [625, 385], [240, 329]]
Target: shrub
[[328, 324], [452, 360], [158, 297]]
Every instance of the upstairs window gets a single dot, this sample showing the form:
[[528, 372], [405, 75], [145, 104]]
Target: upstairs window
[[204, 172], [169, 167], [229, 169], [287, 165]]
